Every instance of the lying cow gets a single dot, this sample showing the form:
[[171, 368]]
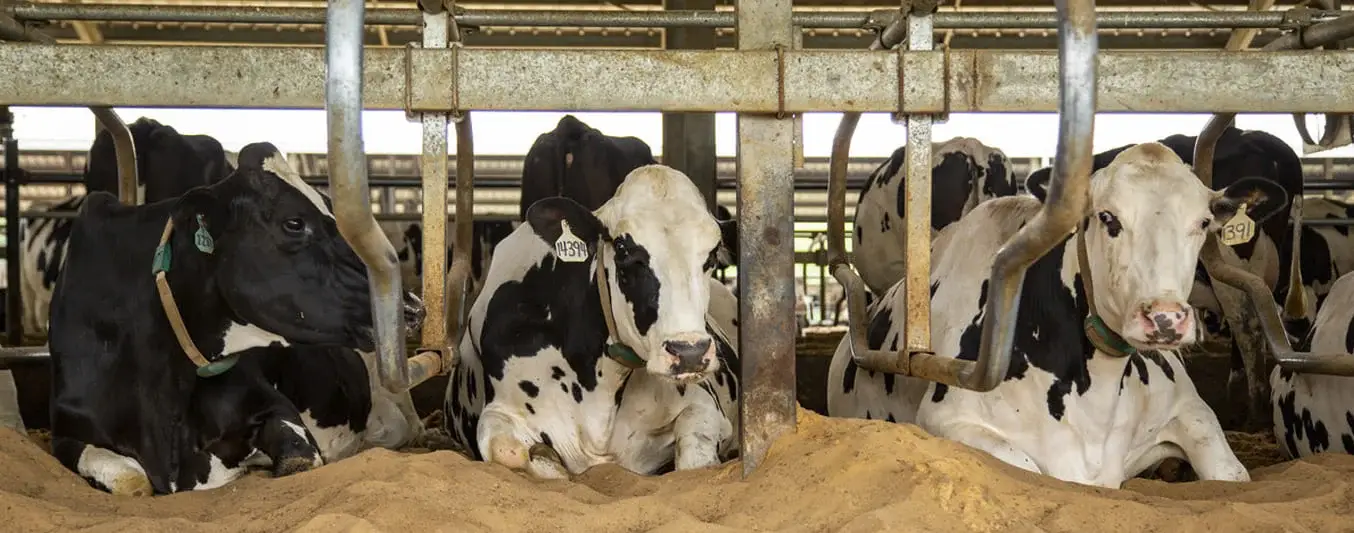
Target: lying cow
[[1315, 413], [1089, 413], [580, 163], [965, 172], [167, 163], [559, 373], [174, 385]]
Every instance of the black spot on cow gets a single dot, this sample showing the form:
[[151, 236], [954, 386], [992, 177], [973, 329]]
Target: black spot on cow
[[556, 373], [577, 392], [1298, 426], [530, 388], [545, 439], [635, 277], [530, 409]]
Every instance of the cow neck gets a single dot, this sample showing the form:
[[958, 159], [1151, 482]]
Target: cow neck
[[160, 267], [615, 349], [1101, 336]]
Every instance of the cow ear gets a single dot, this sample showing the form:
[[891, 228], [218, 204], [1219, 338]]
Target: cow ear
[[547, 214], [1037, 183], [1263, 199], [201, 202]]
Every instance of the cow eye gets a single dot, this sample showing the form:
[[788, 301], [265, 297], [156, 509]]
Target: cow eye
[[1111, 223], [1206, 222], [294, 225]]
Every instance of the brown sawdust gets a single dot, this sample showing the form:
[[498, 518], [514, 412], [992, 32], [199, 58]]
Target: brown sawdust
[[831, 475]]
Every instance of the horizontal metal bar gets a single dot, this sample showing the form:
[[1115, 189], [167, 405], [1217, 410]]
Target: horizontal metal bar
[[675, 80], [642, 19]]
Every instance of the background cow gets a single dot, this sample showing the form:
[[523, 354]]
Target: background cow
[[255, 264], [1314, 413], [168, 164], [539, 387], [1090, 413], [964, 173]]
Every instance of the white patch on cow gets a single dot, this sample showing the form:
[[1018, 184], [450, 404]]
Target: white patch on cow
[[240, 337], [278, 165], [218, 474], [878, 253], [1304, 401], [121, 475], [654, 423], [1110, 424], [318, 460], [335, 442], [40, 245]]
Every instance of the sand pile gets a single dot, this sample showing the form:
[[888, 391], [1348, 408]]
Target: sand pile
[[834, 475]]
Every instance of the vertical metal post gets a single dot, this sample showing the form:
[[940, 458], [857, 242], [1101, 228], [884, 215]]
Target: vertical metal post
[[128, 190], [689, 138], [13, 243], [352, 195], [766, 249], [917, 194], [434, 162]]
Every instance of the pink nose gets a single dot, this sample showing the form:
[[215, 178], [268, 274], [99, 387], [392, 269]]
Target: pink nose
[[1166, 322]]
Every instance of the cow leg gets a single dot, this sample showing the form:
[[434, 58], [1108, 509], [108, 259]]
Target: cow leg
[[103, 468], [505, 440], [699, 430], [284, 438], [984, 439], [393, 422], [1197, 432]]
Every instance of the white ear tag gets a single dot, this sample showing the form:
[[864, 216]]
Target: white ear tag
[[568, 247], [1240, 229]]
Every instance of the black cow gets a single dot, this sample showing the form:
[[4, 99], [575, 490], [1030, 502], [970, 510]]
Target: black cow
[[582, 164], [168, 164], [254, 266]]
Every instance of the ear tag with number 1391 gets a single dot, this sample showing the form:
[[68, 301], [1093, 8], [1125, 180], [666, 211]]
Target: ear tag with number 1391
[[1240, 229], [568, 247]]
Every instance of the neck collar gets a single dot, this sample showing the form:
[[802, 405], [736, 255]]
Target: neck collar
[[160, 266], [1097, 331], [615, 349]]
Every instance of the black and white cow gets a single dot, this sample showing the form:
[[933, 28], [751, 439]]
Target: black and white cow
[[1314, 413], [168, 164], [267, 291], [548, 385], [1093, 414], [964, 173], [580, 163]]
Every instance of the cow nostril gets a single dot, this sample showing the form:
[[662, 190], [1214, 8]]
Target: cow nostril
[[687, 350]]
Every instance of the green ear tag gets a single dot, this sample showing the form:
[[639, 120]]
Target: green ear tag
[[202, 239], [217, 368]]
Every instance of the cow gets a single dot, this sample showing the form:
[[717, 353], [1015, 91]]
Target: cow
[[1240, 153], [168, 164], [964, 173], [578, 162], [1314, 413], [559, 373], [194, 337], [1095, 413]]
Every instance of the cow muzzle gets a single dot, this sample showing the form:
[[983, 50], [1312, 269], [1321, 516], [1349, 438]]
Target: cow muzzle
[[413, 310], [687, 357], [1161, 324]]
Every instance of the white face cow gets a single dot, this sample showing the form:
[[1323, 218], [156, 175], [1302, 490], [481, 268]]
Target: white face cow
[[663, 244]]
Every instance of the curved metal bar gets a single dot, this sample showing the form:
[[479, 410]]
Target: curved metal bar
[[351, 194], [465, 218], [1066, 205], [126, 153]]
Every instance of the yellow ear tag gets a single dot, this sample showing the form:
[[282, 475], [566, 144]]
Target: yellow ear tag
[[568, 247], [1240, 229]]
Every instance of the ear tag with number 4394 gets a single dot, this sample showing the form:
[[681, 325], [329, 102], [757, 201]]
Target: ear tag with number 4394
[[568, 247], [1240, 229]]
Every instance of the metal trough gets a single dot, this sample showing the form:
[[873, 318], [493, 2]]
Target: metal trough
[[1066, 205]]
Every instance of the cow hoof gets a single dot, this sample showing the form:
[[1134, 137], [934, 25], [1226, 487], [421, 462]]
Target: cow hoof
[[131, 484], [507, 451], [546, 463], [294, 465]]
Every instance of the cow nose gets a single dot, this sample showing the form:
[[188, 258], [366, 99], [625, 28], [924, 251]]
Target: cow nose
[[1167, 322], [413, 310], [687, 350]]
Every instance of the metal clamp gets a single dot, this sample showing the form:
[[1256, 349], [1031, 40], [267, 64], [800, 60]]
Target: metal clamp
[[1297, 19], [945, 69], [457, 114], [409, 112], [780, 81]]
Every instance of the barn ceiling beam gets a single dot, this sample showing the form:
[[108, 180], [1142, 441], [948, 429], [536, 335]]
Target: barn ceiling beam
[[745, 81]]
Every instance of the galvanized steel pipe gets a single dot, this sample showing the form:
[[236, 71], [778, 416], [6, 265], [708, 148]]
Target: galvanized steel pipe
[[350, 192], [434, 169], [917, 201], [642, 19]]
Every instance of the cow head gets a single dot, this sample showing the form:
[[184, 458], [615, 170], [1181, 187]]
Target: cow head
[[1148, 220], [279, 261], [658, 243]]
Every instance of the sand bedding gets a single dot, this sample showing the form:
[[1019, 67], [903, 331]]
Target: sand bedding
[[832, 475]]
